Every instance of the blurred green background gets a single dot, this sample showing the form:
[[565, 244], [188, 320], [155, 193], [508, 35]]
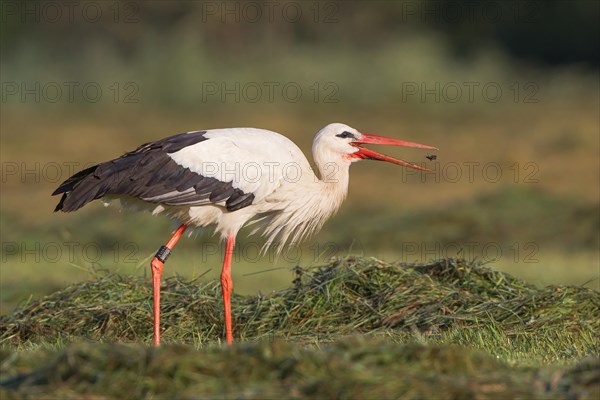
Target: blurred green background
[[508, 91]]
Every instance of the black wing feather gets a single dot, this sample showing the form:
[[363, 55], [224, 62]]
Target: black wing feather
[[150, 174]]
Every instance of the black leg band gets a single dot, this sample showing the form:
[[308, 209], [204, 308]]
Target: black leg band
[[163, 253]]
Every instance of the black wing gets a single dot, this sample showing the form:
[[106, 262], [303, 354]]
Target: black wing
[[148, 173]]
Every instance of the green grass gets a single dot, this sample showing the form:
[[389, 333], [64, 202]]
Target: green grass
[[350, 368], [353, 328]]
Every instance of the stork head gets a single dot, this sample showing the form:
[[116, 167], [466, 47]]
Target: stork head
[[336, 142]]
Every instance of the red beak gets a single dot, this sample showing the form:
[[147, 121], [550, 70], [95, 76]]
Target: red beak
[[368, 154]]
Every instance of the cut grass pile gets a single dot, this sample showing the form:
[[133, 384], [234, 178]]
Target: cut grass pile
[[355, 328], [447, 301]]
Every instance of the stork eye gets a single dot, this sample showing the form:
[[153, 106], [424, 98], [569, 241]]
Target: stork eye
[[345, 135]]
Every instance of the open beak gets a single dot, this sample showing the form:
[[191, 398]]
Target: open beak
[[369, 154]]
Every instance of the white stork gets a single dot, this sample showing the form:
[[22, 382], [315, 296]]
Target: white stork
[[229, 178]]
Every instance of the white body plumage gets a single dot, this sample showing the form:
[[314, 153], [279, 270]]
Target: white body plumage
[[290, 200]]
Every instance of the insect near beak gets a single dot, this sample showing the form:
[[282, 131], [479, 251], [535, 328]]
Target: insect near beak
[[368, 154]]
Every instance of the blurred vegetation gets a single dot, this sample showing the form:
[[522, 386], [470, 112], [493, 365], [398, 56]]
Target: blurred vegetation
[[565, 32], [169, 50], [353, 368]]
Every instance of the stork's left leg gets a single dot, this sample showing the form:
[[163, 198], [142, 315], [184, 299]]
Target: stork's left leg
[[227, 286], [157, 269]]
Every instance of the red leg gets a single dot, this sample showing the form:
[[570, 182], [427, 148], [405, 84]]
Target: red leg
[[157, 269], [227, 286]]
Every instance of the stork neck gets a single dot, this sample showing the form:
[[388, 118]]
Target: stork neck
[[331, 166], [332, 173], [333, 180]]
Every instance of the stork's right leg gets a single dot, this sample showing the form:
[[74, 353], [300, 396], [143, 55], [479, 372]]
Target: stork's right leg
[[227, 286], [157, 269]]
